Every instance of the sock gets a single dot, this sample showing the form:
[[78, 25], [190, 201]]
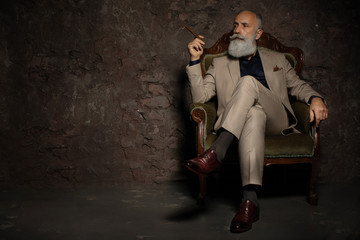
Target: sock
[[222, 143], [249, 192]]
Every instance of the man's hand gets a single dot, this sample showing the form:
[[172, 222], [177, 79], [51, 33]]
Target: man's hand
[[195, 48], [318, 110]]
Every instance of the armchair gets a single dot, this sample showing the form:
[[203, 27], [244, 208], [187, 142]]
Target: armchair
[[303, 147]]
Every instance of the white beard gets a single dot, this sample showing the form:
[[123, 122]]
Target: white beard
[[240, 46]]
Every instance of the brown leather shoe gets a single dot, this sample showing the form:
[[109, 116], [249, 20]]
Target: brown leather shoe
[[204, 164], [246, 215]]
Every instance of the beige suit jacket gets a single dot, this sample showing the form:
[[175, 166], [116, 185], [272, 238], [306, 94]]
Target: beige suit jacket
[[224, 74]]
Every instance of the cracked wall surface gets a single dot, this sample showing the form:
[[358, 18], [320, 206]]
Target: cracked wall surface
[[96, 91]]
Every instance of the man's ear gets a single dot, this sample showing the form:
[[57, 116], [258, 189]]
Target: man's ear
[[258, 33]]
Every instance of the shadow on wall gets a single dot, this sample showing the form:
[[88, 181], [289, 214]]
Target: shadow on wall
[[187, 148]]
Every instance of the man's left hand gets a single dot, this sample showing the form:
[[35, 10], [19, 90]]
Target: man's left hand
[[318, 110]]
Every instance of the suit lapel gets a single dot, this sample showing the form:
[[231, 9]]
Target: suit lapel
[[267, 66], [234, 69]]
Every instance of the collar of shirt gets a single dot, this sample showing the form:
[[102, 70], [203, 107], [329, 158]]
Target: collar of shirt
[[253, 58]]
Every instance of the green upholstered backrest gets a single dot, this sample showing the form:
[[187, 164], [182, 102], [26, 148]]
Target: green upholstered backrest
[[291, 59], [208, 58]]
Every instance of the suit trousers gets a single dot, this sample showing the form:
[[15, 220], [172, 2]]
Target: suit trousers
[[252, 113]]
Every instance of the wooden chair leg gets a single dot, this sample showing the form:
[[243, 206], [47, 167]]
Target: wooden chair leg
[[202, 193], [313, 196]]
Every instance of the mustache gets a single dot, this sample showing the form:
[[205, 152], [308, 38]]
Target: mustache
[[239, 36]]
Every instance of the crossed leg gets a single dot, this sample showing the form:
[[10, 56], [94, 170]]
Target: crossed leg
[[253, 112]]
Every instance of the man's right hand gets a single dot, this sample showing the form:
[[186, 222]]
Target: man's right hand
[[195, 48]]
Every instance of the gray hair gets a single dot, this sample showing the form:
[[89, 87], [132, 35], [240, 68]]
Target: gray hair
[[258, 18]]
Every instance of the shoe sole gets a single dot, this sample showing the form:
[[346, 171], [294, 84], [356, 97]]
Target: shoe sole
[[202, 174], [194, 171], [244, 229]]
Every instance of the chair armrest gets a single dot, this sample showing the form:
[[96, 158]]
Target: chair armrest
[[204, 114], [301, 111]]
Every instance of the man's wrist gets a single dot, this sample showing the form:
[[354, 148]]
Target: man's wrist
[[314, 96], [194, 62]]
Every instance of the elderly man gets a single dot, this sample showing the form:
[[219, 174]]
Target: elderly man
[[252, 87]]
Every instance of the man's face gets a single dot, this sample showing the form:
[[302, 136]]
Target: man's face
[[245, 24], [245, 34]]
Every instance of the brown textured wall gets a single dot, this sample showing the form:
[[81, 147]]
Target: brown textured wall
[[95, 91]]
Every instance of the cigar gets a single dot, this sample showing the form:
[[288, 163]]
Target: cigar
[[192, 31]]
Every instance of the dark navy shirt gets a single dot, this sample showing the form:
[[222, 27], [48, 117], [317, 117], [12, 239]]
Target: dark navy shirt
[[253, 67]]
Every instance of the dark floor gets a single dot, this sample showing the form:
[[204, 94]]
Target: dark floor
[[168, 211]]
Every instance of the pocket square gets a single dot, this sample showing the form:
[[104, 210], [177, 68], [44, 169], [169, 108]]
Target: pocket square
[[276, 68]]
